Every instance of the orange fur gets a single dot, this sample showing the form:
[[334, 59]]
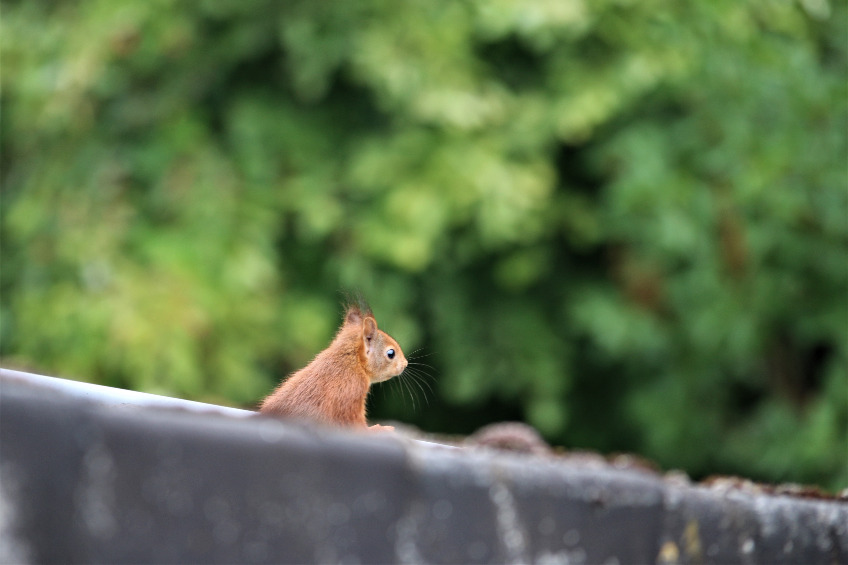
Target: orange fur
[[332, 388]]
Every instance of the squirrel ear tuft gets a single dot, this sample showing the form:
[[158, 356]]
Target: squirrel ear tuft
[[369, 328], [356, 310], [353, 315]]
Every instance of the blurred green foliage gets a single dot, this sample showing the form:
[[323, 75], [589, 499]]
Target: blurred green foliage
[[624, 222]]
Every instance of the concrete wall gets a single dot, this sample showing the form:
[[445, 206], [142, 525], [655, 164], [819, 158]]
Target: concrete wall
[[90, 478]]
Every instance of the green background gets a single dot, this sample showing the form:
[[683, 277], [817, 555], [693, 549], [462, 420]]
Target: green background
[[625, 223]]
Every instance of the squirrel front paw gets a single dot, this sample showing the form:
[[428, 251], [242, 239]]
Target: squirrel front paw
[[379, 428]]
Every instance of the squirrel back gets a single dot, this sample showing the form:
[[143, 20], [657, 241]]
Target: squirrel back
[[332, 388]]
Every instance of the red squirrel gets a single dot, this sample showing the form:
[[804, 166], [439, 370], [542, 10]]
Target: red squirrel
[[333, 387]]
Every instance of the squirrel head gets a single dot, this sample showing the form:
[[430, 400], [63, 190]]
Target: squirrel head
[[379, 353]]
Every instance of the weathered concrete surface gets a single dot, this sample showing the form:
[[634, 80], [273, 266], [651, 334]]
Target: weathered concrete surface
[[82, 481]]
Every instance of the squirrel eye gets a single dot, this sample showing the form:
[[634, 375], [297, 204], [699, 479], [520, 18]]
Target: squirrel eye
[[390, 353]]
